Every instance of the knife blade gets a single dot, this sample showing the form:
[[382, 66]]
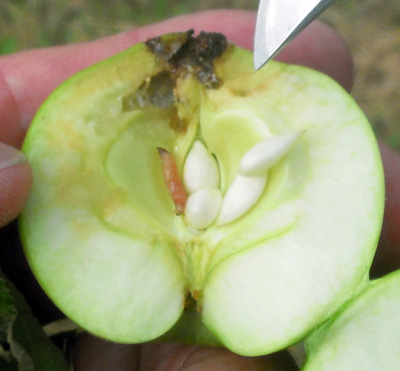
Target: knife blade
[[279, 21]]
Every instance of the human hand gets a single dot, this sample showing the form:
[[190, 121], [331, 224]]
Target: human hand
[[27, 78]]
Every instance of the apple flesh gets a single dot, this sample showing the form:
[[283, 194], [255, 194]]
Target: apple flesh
[[100, 230], [365, 335]]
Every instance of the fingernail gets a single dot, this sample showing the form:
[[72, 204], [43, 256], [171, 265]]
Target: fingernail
[[10, 156]]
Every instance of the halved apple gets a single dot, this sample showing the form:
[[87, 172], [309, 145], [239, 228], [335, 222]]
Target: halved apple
[[364, 335], [100, 229]]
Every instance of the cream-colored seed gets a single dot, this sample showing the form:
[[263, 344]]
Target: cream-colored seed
[[205, 204], [240, 197], [264, 155], [202, 207], [200, 169]]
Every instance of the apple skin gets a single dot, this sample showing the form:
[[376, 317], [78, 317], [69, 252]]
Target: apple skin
[[364, 334], [100, 230]]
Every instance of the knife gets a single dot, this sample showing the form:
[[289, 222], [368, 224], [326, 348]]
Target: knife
[[279, 21]]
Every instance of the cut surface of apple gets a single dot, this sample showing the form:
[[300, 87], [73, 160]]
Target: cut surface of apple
[[100, 229], [365, 335]]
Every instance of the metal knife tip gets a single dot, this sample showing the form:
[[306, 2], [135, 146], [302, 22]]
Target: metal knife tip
[[258, 61]]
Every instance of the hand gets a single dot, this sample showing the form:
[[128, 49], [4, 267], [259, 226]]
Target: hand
[[27, 78]]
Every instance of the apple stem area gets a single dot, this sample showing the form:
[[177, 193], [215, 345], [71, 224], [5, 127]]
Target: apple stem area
[[199, 196], [195, 263]]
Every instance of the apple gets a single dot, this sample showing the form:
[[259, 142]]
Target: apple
[[364, 335], [180, 194]]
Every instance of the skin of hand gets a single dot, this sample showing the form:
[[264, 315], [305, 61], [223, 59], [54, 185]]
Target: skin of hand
[[27, 78]]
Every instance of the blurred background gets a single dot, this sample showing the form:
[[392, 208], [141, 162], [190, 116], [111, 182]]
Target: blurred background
[[371, 28]]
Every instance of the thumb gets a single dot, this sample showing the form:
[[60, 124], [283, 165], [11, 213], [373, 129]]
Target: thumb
[[15, 181]]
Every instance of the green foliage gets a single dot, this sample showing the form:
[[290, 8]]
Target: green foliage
[[23, 345], [8, 45]]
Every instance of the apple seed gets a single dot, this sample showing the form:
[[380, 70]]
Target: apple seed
[[240, 197], [200, 169], [267, 153], [202, 207]]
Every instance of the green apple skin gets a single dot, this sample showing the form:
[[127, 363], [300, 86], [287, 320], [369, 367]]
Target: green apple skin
[[364, 335], [100, 232]]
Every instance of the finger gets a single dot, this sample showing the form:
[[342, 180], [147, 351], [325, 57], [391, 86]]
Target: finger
[[387, 257], [175, 357], [321, 48], [15, 181], [27, 78], [91, 353]]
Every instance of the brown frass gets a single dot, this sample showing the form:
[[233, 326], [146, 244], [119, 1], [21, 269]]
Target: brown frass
[[191, 54]]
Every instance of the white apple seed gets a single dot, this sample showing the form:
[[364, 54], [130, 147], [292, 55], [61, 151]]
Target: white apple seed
[[240, 197], [267, 153], [200, 169], [202, 207]]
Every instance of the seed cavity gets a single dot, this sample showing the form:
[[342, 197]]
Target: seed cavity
[[200, 169], [240, 197], [260, 158], [199, 196], [202, 207], [172, 180]]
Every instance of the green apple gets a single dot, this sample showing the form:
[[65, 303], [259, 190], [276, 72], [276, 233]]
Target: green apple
[[295, 242], [364, 335]]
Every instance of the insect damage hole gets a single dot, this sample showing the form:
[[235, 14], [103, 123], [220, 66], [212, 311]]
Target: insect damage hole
[[156, 91]]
